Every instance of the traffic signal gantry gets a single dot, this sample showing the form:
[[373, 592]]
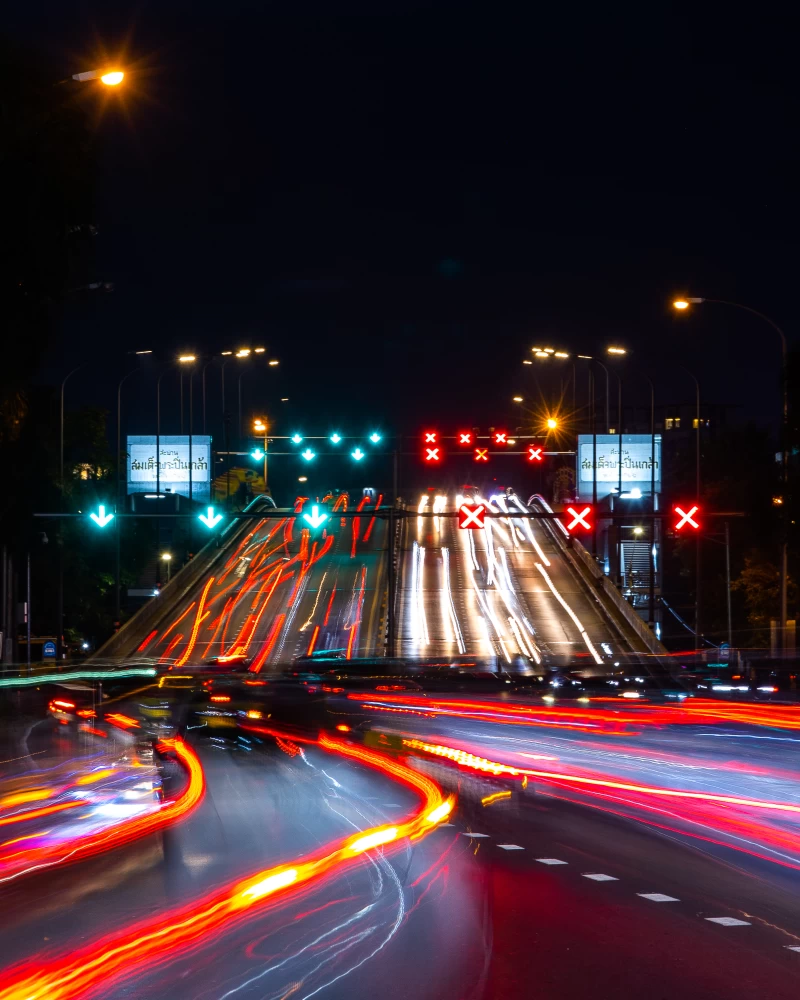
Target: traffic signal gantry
[[485, 447]]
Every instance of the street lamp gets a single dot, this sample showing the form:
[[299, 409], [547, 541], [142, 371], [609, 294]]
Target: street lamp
[[551, 423], [110, 77], [166, 558], [683, 304]]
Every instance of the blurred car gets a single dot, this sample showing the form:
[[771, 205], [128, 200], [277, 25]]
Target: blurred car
[[72, 703], [234, 661]]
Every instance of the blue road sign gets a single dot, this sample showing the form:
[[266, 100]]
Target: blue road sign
[[49, 650]]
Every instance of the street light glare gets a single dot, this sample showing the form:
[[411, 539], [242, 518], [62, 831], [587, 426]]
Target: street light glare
[[187, 357], [527, 362], [273, 363], [561, 354], [552, 423], [113, 78], [680, 304], [166, 556], [542, 354], [616, 350], [243, 353], [260, 350], [517, 399]]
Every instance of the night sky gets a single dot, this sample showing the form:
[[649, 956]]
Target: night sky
[[399, 205]]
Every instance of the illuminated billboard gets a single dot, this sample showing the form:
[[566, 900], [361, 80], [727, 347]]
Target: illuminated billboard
[[638, 464], [171, 471]]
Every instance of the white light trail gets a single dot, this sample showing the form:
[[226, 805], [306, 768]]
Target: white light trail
[[448, 607], [419, 622], [571, 613]]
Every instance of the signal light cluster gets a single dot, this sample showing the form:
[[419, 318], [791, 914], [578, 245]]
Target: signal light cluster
[[433, 451]]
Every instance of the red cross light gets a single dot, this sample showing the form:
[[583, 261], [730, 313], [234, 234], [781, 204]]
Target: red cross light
[[535, 453], [481, 454], [465, 437], [470, 515], [501, 437], [430, 437], [580, 519], [687, 517], [432, 455]]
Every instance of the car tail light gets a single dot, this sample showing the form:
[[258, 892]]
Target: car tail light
[[220, 697], [253, 714], [62, 704], [85, 713]]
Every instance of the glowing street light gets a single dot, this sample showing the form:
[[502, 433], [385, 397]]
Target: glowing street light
[[186, 358], [166, 557], [110, 77], [616, 350], [551, 423], [273, 363], [682, 304], [517, 399]]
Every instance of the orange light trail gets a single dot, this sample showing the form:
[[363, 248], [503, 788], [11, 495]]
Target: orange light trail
[[198, 618], [272, 638], [330, 605], [122, 833], [75, 974], [44, 811], [313, 642], [21, 798], [176, 639], [147, 641], [177, 621], [472, 762]]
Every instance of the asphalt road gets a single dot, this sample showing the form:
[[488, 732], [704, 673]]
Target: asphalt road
[[539, 892], [505, 591], [283, 590]]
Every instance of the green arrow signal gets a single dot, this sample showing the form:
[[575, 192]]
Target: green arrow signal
[[315, 519], [101, 519], [210, 520]]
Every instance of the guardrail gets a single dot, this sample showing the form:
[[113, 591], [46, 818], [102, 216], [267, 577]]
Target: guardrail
[[125, 642]]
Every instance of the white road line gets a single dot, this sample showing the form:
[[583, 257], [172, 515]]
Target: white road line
[[511, 847], [728, 921], [598, 877], [658, 897], [550, 861], [474, 834], [792, 947]]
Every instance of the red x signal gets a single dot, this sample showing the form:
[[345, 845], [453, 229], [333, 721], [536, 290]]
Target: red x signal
[[432, 455], [465, 437], [687, 517], [580, 520], [471, 515], [501, 437], [481, 454], [535, 453], [430, 437]]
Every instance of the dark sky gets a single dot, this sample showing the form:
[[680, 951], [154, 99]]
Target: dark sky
[[401, 204]]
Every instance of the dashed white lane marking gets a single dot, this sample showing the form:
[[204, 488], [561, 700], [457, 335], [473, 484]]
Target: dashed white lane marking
[[658, 897], [511, 847], [792, 947], [728, 921], [474, 834], [550, 861], [599, 877]]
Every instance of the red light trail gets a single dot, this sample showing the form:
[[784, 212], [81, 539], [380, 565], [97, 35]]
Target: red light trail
[[75, 974]]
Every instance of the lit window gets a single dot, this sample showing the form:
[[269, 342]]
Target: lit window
[[672, 423]]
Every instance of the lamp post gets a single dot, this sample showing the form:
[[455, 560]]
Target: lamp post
[[166, 558], [117, 581], [682, 305], [60, 601]]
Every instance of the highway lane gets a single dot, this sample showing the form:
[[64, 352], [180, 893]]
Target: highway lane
[[347, 934], [505, 591], [284, 589], [535, 892]]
